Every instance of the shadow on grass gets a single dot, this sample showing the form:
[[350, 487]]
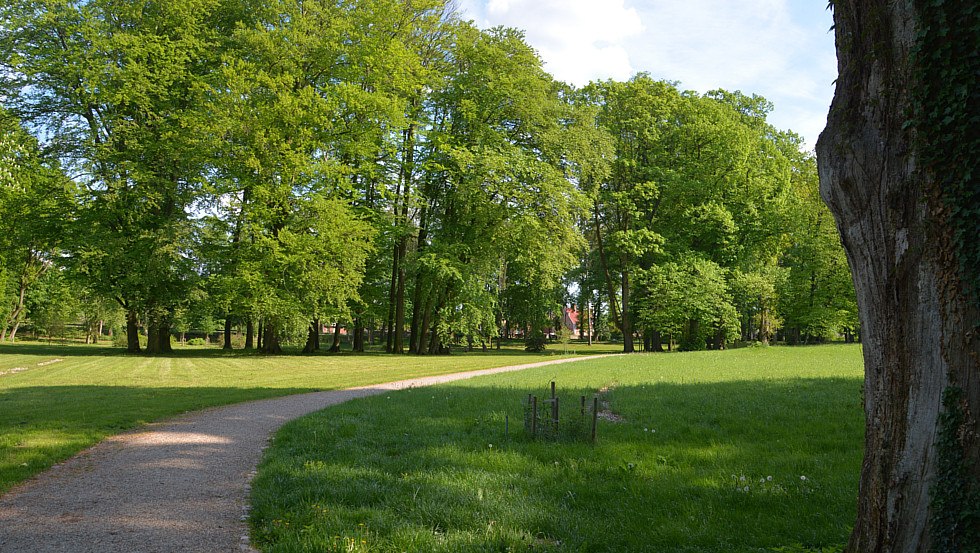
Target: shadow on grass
[[80, 350], [733, 466], [40, 426]]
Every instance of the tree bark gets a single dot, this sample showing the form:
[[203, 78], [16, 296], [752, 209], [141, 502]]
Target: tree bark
[[335, 348], [227, 344], [249, 334], [627, 324], [270, 338], [656, 341], [358, 344], [610, 289], [312, 337], [132, 332], [918, 325]]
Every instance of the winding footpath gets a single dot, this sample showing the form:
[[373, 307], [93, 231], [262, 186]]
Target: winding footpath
[[179, 485]]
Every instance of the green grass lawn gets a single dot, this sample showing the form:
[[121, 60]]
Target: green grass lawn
[[746, 450], [58, 400]]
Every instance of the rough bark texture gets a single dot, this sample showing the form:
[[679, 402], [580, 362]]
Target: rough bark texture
[[249, 334], [227, 333], [917, 323], [132, 332]]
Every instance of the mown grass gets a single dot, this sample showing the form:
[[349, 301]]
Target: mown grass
[[68, 398], [746, 450]]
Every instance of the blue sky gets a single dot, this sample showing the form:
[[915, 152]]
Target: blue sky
[[780, 49]]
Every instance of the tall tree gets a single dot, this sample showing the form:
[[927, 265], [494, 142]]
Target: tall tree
[[121, 86], [36, 206], [898, 169]]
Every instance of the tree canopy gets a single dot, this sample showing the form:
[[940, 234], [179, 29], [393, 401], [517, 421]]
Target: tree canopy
[[386, 168]]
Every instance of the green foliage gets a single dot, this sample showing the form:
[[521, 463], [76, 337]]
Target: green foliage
[[954, 525], [945, 103]]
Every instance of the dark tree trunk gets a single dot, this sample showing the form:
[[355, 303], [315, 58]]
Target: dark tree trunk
[[918, 325], [227, 344], [270, 338], [358, 335], [152, 336], [423, 346], [392, 299], [656, 341], [398, 345], [335, 348], [163, 336], [132, 332], [414, 339], [627, 324], [249, 333], [610, 288], [312, 337], [260, 336]]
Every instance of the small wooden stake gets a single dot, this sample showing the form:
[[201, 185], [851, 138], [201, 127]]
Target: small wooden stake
[[534, 416], [552, 389], [595, 416], [506, 425], [554, 409], [583, 406]]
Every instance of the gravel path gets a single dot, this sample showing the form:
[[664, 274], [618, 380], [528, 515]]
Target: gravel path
[[175, 486]]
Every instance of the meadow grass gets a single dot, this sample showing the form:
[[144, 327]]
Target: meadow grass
[[58, 400], [746, 450]]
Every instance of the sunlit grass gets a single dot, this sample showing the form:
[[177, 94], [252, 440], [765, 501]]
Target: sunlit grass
[[58, 400], [745, 450]]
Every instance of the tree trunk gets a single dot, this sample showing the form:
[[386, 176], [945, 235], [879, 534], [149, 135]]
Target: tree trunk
[[656, 341], [132, 332], [227, 344], [423, 347], [270, 338], [312, 337], [152, 338], [249, 333], [398, 345], [163, 336], [627, 324], [335, 348], [392, 298], [610, 289], [918, 325], [358, 335]]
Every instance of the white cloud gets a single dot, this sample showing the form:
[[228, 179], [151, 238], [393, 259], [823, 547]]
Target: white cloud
[[777, 48], [579, 40]]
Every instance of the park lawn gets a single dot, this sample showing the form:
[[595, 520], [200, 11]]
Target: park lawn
[[755, 449], [71, 397]]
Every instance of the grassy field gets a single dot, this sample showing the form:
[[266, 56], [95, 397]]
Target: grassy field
[[58, 400], [748, 450]]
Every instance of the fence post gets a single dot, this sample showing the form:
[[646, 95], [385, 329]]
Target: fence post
[[534, 416], [595, 416]]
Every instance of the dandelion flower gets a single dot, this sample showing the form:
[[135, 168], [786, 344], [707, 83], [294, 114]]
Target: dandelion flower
[[803, 478], [746, 488], [769, 478]]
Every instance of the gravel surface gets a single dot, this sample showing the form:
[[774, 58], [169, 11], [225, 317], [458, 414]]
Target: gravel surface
[[175, 486]]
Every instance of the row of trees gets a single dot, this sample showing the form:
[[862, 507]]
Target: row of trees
[[382, 164]]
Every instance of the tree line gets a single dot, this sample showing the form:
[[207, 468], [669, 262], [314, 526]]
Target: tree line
[[386, 166]]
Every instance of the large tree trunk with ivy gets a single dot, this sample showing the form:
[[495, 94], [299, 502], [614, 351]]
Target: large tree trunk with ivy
[[903, 219]]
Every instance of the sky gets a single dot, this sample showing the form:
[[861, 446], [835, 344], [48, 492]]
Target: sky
[[780, 49]]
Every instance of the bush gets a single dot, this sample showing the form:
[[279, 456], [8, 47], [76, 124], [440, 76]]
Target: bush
[[195, 342]]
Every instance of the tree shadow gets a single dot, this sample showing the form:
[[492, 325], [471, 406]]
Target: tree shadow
[[731, 466], [43, 425]]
